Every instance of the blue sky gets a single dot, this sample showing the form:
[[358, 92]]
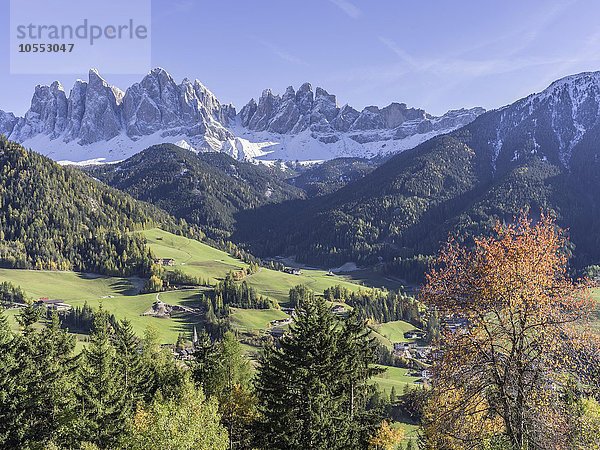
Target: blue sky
[[437, 55]]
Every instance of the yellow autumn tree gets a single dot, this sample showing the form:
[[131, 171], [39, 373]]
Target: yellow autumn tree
[[386, 437], [516, 315]]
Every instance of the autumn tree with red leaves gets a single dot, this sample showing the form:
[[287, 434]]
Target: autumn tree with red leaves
[[499, 378]]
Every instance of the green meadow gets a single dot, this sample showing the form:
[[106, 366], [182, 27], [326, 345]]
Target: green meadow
[[201, 260], [120, 296], [249, 320], [394, 331], [393, 377]]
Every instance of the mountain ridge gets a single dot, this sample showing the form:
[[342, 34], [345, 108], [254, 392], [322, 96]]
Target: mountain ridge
[[205, 189], [98, 121], [540, 153]]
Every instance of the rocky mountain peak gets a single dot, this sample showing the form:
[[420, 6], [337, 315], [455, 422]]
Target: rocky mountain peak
[[96, 115]]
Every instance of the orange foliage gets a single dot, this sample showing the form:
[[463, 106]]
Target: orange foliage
[[500, 374]]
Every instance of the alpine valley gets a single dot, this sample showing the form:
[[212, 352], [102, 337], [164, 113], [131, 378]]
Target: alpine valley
[[206, 290], [540, 153], [397, 181]]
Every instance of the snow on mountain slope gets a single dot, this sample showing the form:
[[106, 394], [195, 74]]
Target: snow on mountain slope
[[550, 123], [99, 122]]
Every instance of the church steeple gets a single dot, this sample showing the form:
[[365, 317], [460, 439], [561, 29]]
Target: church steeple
[[195, 337]]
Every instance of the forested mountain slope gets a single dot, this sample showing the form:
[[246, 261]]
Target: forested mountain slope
[[330, 176], [540, 153], [206, 189], [54, 217]]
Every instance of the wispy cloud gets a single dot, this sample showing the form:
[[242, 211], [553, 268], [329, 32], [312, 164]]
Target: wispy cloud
[[507, 50], [466, 64], [283, 54], [348, 8]]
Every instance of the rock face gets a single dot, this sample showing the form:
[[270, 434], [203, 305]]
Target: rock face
[[295, 112], [96, 112], [158, 104], [7, 123], [47, 115], [97, 120]]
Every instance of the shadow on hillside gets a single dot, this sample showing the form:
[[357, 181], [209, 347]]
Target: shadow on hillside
[[184, 323], [122, 286]]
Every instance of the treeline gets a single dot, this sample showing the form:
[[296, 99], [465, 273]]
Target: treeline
[[80, 319], [378, 305], [164, 280], [240, 295], [11, 294], [54, 217], [228, 293]]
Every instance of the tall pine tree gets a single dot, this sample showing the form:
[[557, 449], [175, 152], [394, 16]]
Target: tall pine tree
[[132, 366], [8, 381], [101, 394], [311, 387]]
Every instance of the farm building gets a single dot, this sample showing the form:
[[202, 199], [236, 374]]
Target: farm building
[[164, 261], [57, 305]]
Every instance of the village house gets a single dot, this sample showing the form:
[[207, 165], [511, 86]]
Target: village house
[[292, 271], [277, 332], [339, 310], [404, 345], [164, 261], [415, 334], [56, 305], [281, 322]]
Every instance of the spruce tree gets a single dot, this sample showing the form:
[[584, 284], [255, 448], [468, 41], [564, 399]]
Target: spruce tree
[[132, 367], [357, 351], [305, 386], [8, 381], [204, 359], [165, 375], [102, 398], [41, 382]]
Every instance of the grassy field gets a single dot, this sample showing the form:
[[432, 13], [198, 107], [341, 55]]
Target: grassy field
[[117, 295], [393, 377], [120, 295], [254, 319], [201, 260], [394, 331]]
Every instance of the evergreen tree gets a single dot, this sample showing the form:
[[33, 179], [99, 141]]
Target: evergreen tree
[[8, 382], [131, 364], [357, 353], [224, 373], [204, 355], [165, 375], [393, 395], [103, 401], [41, 400], [305, 387]]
